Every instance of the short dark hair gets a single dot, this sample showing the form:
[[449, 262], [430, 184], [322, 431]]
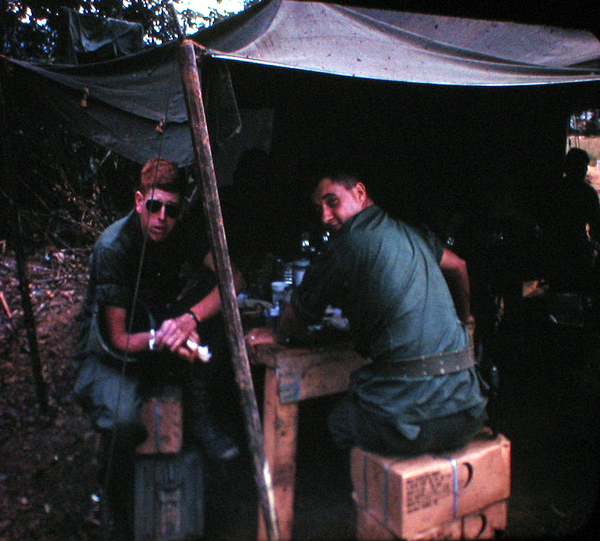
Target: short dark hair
[[578, 157], [162, 174], [347, 180], [346, 174], [576, 164]]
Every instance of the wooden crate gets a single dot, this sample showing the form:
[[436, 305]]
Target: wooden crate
[[482, 524], [412, 495], [162, 416]]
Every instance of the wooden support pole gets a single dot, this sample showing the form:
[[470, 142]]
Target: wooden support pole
[[29, 320], [212, 208], [14, 220]]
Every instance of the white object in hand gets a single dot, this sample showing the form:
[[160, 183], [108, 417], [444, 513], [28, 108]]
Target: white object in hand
[[204, 353]]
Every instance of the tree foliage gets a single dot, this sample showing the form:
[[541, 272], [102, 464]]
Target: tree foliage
[[38, 28], [59, 188], [63, 188]]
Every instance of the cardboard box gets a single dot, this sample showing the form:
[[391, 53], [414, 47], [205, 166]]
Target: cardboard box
[[412, 495], [486, 522], [483, 524], [369, 529]]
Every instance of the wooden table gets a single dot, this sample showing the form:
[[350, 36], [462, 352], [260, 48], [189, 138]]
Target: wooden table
[[292, 375]]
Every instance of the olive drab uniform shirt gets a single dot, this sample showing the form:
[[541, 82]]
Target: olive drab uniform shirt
[[385, 275], [158, 286], [115, 274]]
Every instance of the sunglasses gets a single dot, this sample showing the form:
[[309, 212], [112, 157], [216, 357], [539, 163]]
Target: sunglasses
[[154, 205]]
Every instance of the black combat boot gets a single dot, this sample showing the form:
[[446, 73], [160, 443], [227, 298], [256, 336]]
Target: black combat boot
[[202, 427]]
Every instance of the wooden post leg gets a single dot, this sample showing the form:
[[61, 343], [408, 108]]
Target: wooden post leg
[[280, 425]]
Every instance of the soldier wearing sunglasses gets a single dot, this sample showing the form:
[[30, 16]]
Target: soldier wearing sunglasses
[[152, 290]]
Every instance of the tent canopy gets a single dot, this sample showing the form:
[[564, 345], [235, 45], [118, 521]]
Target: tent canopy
[[407, 47], [135, 106]]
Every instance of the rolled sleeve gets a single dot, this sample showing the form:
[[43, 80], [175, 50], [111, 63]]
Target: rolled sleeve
[[113, 278]]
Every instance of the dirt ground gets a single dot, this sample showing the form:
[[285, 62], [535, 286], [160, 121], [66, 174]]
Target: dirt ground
[[548, 408]]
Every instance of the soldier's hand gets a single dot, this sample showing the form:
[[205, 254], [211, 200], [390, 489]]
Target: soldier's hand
[[260, 335], [174, 333]]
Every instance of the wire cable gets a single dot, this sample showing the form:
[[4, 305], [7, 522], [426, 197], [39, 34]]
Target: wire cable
[[112, 446]]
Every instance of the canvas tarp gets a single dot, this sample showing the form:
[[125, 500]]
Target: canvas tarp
[[408, 47], [91, 34], [134, 105]]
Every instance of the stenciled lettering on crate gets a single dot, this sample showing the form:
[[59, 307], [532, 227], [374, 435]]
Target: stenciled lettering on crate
[[411, 495], [426, 490]]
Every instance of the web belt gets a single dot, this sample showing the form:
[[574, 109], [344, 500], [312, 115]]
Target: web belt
[[427, 365]]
